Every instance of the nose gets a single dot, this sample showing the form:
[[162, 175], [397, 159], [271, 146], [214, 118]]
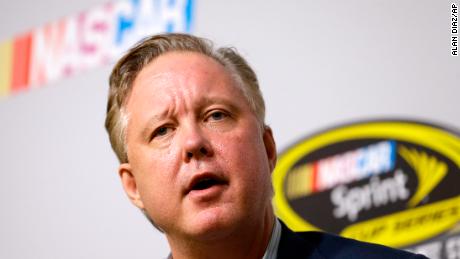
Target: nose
[[196, 144]]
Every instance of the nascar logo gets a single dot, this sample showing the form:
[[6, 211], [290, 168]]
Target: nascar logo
[[390, 181]]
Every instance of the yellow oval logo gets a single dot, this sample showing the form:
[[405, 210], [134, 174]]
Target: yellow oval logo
[[388, 182]]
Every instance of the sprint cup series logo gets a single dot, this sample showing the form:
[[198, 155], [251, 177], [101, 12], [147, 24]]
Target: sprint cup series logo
[[389, 182]]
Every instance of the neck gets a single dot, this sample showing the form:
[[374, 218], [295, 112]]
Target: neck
[[249, 240]]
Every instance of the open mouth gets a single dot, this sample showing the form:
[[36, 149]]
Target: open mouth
[[205, 182]]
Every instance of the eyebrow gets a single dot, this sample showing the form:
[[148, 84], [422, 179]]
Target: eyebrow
[[204, 102], [207, 101]]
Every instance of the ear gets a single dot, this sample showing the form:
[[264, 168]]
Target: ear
[[129, 184], [270, 146]]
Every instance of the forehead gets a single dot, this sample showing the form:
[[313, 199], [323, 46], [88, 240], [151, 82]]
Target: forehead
[[182, 59], [179, 65], [189, 75], [182, 68]]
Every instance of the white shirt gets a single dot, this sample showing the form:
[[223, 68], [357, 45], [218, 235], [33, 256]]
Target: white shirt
[[272, 249]]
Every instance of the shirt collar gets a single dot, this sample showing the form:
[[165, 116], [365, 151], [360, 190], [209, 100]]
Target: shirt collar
[[272, 248]]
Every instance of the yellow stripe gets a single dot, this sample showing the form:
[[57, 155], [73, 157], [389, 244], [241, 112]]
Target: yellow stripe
[[6, 51]]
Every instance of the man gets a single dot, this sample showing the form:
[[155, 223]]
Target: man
[[186, 121]]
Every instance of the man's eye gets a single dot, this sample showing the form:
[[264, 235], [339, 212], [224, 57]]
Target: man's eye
[[217, 115], [161, 131]]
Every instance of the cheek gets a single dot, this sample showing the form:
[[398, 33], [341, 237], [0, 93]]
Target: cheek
[[157, 191], [154, 176], [150, 161], [251, 173], [246, 153]]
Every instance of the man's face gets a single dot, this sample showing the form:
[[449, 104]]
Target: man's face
[[199, 162]]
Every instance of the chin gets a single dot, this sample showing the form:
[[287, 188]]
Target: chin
[[213, 223]]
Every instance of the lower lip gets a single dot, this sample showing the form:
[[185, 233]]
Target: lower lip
[[207, 194]]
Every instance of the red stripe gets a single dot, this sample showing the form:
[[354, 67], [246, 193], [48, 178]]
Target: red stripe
[[21, 61], [314, 184]]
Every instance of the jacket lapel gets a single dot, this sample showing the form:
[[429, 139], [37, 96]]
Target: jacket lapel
[[295, 246]]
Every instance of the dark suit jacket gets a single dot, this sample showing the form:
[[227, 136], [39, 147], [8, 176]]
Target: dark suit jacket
[[319, 245]]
